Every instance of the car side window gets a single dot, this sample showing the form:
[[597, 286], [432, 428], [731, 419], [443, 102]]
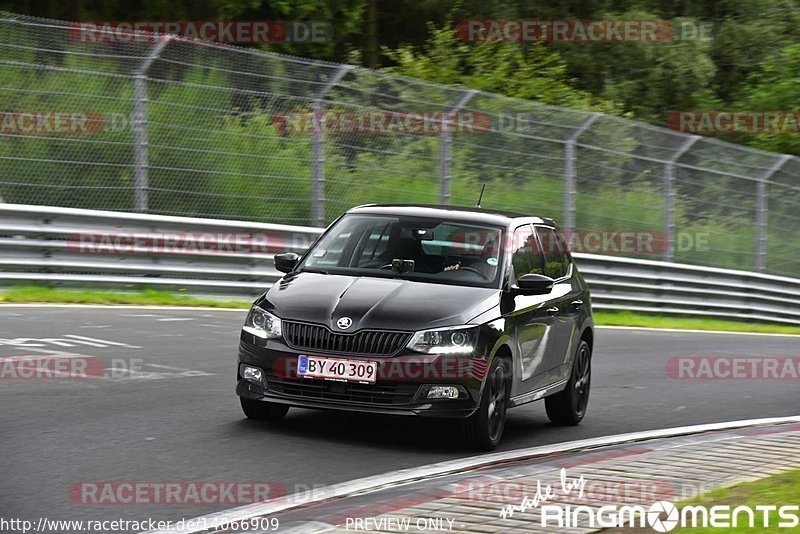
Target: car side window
[[555, 260], [526, 257]]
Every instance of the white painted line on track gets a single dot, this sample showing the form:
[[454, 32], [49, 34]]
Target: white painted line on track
[[98, 342], [55, 353], [406, 476], [169, 367]]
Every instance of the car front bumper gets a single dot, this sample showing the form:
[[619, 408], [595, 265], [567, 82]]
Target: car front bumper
[[401, 387]]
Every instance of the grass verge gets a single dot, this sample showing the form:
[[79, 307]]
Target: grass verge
[[778, 490], [688, 323], [147, 297], [152, 297]]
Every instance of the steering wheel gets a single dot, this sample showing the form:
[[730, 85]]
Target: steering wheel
[[476, 271], [387, 266]]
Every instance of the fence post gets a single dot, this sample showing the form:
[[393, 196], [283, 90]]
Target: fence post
[[446, 149], [139, 125], [762, 209], [570, 173], [669, 197], [318, 148]]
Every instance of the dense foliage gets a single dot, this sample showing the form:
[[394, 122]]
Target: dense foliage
[[747, 48], [216, 148]]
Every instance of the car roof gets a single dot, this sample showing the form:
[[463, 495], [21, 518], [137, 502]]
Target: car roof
[[455, 213]]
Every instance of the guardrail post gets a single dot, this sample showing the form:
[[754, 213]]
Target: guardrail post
[[446, 149], [318, 148], [570, 189], [669, 197], [762, 209], [139, 125]]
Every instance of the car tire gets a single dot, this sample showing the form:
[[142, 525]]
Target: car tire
[[484, 428], [567, 407], [263, 411]]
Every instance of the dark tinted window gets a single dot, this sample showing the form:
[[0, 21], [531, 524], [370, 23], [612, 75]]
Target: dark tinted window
[[376, 245], [448, 252], [555, 260], [525, 257]]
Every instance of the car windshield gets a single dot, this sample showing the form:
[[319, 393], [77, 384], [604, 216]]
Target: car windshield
[[416, 248]]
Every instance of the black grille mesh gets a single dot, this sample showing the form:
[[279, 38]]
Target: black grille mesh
[[381, 393], [366, 342]]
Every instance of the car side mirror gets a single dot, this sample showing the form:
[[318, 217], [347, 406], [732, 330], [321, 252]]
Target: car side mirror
[[285, 262], [533, 284]]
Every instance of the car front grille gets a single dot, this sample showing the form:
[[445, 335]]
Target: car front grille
[[365, 342], [309, 388]]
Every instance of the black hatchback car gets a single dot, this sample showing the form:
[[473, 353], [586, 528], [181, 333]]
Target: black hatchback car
[[427, 311]]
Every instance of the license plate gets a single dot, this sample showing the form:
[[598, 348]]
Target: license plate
[[337, 369]]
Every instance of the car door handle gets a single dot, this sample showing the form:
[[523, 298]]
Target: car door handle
[[577, 303], [553, 311]]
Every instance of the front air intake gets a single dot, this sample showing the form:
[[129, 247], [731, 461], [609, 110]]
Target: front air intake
[[317, 337]]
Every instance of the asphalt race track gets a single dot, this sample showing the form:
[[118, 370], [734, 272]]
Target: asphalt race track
[[166, 412]]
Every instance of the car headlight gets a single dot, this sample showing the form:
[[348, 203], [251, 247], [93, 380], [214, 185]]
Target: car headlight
[[262, 324], [453, 340]]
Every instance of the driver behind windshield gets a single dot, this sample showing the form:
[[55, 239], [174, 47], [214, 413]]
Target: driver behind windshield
[[461, 252]]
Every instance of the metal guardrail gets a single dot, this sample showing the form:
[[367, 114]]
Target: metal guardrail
[[85, 248], [177, 126], [42, 245], [675, 288]]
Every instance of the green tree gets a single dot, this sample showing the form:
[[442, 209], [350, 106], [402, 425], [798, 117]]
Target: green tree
[[535, 72], [775, 88]]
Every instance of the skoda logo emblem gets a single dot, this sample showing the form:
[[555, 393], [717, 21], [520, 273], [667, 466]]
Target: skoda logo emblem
[[344, 323]]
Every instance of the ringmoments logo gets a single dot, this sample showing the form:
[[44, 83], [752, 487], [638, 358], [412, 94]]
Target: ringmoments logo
[[664, 516], [660, 516]]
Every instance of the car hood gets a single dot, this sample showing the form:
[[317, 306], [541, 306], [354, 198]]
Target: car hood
[[382, 303]]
